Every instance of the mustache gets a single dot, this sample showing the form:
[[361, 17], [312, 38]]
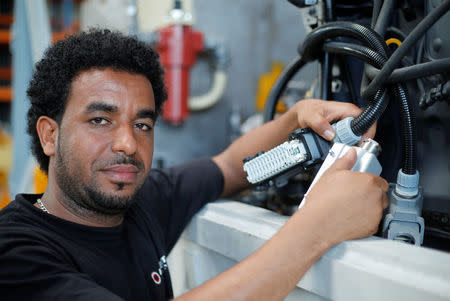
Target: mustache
[[123, 159]]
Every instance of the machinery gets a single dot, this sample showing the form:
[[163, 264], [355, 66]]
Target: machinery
[[398, 55]]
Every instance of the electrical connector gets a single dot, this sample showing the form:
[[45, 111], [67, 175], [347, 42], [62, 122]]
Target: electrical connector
[[439, 93], [366, 160], [304, 148], [404, 222], [344, 132]]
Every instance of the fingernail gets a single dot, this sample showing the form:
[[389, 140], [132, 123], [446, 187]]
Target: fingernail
[[329, 134]]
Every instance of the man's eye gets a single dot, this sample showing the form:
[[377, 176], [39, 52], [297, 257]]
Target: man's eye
[[143, 127], [99, 121]]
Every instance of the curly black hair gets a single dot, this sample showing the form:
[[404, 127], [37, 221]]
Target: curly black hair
[[93, 49]]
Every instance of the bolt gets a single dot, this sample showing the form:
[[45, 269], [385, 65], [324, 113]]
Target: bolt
[[437, 44]]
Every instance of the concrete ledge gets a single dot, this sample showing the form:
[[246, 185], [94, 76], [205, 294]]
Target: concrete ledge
[[226, 232]]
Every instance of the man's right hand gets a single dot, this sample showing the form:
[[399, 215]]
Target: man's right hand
[[347, 204]]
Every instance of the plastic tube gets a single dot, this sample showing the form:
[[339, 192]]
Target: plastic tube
[[325, 76], [310, 48], [361, 123], [375, 12], [384, 17], [409, 134], [371, 113], [326, 62], [359, 51], [416, 71], [375, 53], [394, 31], [412, 38], [207, 100]]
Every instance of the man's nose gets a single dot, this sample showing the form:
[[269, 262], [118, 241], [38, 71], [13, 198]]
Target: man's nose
[[124, 140]]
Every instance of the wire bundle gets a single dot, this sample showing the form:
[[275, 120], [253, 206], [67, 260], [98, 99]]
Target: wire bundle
[[373, 50]]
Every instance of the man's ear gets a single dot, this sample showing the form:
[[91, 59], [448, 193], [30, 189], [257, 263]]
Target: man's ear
[[47, 129]]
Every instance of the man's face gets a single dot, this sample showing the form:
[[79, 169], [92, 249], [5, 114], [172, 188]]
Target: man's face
[[105, 140]]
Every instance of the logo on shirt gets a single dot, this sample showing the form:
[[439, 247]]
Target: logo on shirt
[[163, 267], [156, 278]]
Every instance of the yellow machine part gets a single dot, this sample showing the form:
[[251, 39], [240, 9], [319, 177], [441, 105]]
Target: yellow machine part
[[5, 166], [39, 178], [265, 83], [4, 196], [40, 181]]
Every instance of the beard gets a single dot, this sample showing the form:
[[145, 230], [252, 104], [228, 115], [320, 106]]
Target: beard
[[85, 196]]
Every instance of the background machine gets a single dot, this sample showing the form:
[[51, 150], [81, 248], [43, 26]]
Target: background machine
[[392, 59]]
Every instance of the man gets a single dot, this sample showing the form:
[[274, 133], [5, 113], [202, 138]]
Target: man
[[105, 223]]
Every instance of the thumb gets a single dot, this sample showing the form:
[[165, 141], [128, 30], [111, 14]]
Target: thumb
[[321, 126], [346, 162]]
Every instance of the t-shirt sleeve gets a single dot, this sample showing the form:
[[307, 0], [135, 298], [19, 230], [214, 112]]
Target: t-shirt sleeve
[[174, 195], [30, 269]]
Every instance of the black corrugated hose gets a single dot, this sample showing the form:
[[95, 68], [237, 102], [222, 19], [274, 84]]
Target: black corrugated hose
[[371, 114], [311, 47], [410, 40], [376, 54]]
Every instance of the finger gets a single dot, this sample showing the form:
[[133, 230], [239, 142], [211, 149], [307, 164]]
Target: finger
[[382, 183], [370, 132], [335, 110], [321, 126], [346, 162], [385, 201]]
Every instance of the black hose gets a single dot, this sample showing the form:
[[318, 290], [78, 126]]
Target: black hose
[[326, 62], [312, 46], [411, 71], [310, 49], [416, 71], [278, 88], [394, 31], [370, 38], [376, 52], [418, 60], [343, 64], [375, 12], [373, 112], [412, 38], [325, 67], [364, 53], [329, 16], [409, 133], [384, 17]]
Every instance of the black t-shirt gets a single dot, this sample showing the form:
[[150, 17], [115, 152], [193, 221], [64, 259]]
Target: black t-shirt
[[43, 257]]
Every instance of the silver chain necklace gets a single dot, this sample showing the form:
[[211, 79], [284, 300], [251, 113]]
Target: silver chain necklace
[[42, 206]]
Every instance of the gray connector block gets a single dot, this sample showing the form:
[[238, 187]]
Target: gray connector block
[[303, 149], [344, 133], [275, 161], [404, 221]]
